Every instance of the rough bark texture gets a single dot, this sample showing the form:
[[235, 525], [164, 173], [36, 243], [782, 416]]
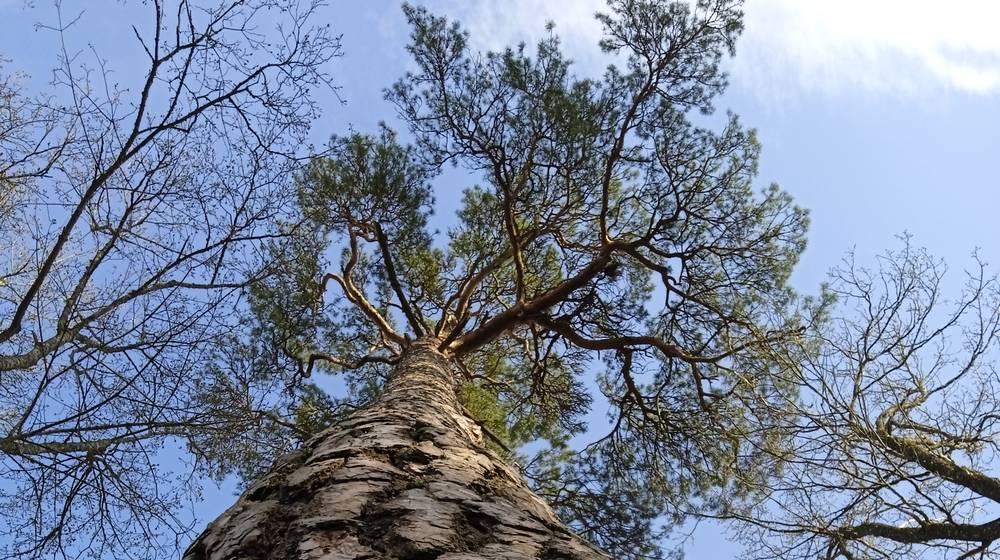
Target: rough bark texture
[[406, 478]]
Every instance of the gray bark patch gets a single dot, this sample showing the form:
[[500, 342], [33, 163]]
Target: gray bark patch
[[407, 478]]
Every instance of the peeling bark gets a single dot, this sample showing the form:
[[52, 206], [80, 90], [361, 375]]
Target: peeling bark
[[407, 478]]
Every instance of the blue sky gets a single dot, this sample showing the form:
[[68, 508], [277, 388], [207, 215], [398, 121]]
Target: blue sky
[[880, 116]]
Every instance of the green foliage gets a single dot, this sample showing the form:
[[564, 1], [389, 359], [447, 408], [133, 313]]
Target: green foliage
[[486, 408], [605, 228], [368, 180], [284, 302], [314, 410]]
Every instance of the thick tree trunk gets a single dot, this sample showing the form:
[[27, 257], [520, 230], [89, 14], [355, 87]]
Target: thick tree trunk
[[406, 478]]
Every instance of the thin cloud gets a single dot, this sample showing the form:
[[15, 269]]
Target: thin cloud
[[792, 48], [496, 24], [910, 47]]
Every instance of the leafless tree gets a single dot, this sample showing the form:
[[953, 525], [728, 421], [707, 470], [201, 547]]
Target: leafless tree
[[894, 449], [131, 221]]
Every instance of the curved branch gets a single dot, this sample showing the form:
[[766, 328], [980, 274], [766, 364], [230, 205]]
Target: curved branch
[[496, 326], [354, 295], [926, 531], [626, 344], [313, 357], [937, 463]]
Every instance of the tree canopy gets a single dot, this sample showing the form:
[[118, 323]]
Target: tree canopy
[[175, 266], [605, 227]]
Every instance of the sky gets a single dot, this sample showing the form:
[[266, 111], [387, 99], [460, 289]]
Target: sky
[[880, 116]]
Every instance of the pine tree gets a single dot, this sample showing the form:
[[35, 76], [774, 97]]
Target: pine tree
[[609, 232]]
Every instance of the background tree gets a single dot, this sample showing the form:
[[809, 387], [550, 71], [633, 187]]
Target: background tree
[[607, 228], [895, 437], [132, 220]]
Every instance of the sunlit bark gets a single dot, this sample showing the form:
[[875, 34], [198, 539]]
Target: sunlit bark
[[408, 477]]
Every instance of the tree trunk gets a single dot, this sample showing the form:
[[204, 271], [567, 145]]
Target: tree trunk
[[405, 478]]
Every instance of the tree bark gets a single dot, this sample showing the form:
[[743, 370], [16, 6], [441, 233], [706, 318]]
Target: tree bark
[[405, 478]]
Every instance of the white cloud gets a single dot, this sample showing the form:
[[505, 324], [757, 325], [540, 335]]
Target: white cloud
[[495, 24], [798, 47], [911, 47]]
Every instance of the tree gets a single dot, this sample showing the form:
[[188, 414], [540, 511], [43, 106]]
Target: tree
[[607, 228], [895, 436], [132, 219]]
